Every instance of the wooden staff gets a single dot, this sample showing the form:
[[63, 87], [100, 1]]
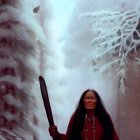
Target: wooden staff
[[46, 101]]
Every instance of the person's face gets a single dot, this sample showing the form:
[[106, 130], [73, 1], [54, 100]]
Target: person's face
[[90, 100]]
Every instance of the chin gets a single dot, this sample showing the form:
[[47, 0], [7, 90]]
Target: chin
[[90, 108]]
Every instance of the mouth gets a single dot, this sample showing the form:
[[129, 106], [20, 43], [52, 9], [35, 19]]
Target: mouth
[[90, 105]]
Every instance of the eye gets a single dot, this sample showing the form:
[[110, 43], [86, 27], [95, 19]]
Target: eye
[[90, 97]]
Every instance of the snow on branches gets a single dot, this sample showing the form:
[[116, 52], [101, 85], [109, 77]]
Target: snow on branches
[[116, 40]]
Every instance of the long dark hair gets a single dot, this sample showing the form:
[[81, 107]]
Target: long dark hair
[[79, 117]]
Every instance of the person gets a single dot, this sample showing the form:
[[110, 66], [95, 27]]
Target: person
[[90, 121]]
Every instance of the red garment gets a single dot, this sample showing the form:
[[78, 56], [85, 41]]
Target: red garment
[[98, 131], [90, 132]]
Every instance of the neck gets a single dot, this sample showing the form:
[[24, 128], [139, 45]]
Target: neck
[[90, 112]]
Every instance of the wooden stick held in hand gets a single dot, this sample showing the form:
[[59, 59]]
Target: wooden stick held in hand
[[46, 101]]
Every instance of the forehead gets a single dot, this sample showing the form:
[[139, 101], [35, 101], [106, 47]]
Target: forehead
[[90, 93]]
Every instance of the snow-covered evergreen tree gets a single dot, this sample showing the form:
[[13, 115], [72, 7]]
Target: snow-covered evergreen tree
[[21, 42]]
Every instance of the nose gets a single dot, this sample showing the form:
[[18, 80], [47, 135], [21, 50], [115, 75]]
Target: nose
[[90, 99]]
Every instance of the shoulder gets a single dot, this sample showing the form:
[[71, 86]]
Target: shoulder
[[63, 137], [70, 123], [72, 119]]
